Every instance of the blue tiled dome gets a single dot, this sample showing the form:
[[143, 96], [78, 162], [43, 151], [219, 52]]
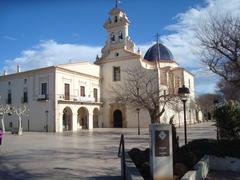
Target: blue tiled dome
[[158, 52]]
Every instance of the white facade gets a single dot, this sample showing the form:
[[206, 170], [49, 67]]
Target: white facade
[[48, 105], [75, 96]]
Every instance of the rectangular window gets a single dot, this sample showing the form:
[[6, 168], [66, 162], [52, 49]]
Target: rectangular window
[[44, 89], [82, 91], [116, 74], [25, 81], [25, 95], [67, 91], [9, 99], [95, 94]]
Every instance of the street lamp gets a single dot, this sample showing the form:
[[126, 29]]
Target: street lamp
[[138, 110], [215, 102], [183, 92]]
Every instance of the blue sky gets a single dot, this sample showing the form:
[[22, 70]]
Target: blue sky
[[36, 33]]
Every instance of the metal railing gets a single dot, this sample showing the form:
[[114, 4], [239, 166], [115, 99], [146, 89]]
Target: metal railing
[[121, 153]]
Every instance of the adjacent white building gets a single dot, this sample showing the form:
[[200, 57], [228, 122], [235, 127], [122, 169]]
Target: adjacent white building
[[75, 96]]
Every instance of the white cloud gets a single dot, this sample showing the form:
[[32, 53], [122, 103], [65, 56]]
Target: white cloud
[[49, 52], [9, 38]]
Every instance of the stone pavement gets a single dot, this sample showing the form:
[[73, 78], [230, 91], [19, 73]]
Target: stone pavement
[[205, 130], [82, 155], [222, 175]]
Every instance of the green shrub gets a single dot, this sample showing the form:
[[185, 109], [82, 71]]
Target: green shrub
[[145, 170], [228, 120], [220, 148], [179, 169]]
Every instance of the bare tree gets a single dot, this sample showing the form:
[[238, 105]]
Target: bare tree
[[141, 89], [206, 102], [20, 112], [219, 38], [178, 108], [4, 109]]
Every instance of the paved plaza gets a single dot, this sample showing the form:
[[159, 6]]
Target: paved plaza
[[82, 155]]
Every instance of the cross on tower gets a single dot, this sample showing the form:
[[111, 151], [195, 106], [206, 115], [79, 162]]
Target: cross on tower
[[116, 3], [157, 37]]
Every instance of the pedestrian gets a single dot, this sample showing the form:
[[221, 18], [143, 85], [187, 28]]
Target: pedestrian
[[1, 136]]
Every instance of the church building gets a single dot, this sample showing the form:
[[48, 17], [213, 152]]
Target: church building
[[76, 96]]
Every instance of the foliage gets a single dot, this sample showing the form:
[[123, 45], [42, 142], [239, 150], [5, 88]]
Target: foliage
[[179, 169], [228, 120], [141, 160], [221, 148]]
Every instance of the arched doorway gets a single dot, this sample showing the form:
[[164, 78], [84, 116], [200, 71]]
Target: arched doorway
[[117, 119], [67, 119], [83, 118], [95, 118]]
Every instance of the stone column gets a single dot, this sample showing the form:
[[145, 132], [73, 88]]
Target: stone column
[[59, 124], [74, 122], [161, 153], [90, 121]]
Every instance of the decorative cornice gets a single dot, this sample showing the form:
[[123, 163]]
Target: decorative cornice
[[27, 73], [183, 69], [75, 72], [78, 103]]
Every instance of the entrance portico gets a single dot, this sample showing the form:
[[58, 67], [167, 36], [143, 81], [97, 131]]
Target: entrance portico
[[77, 116], [117, 115]]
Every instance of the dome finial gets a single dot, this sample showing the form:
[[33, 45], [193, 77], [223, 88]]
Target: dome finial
[[157, 37], [158, 52]]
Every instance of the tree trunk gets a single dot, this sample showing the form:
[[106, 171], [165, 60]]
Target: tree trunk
[[179, 120], [20, 126], [154, 117], [3, 126]]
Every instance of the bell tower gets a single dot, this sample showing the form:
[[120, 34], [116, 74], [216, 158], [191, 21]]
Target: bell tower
[[117, 29]]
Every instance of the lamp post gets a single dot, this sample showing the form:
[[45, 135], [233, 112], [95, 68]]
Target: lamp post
[[138, 110], [215, 102], [183, 92], [46, 120]]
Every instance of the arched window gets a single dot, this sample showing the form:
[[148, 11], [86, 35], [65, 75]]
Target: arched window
[[116, 19], [120, 35], [113, 37]]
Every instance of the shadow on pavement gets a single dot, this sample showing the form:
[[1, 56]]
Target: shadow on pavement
[[106, 178]]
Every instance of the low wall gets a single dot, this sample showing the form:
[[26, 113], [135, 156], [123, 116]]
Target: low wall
[[200, 170], [208, 163]]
